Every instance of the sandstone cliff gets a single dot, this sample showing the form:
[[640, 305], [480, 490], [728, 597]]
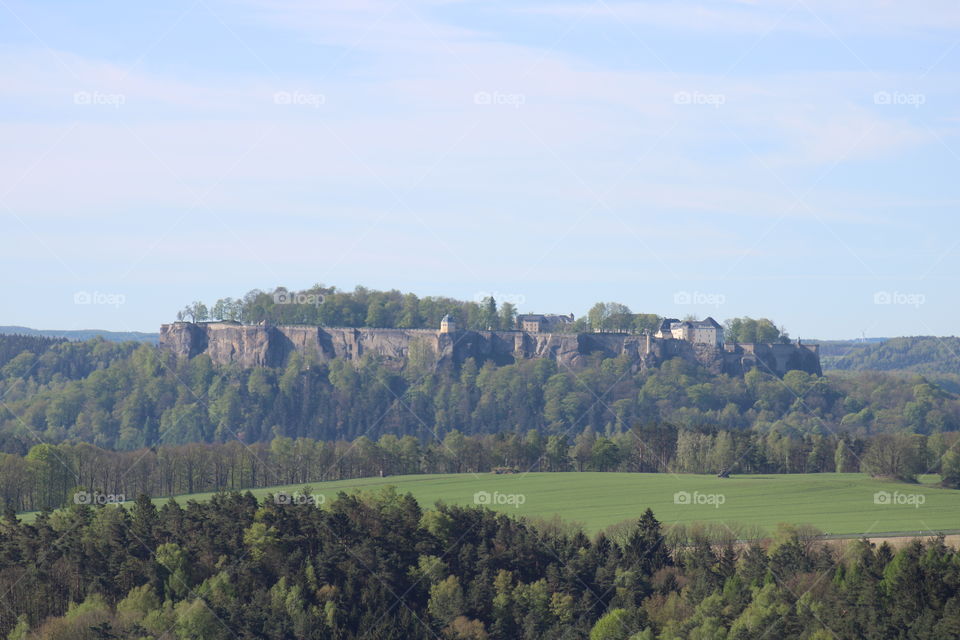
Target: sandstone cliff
[[268, 346]]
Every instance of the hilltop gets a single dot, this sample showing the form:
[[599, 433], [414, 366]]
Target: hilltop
[[82, 334], [917, 354]]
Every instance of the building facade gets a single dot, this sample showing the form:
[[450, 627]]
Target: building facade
[[540, 322], [706, 331]]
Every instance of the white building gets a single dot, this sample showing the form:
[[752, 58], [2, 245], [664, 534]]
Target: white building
[[707, 331]]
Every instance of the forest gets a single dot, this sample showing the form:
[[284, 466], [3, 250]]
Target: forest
[[128, 419], [918, 354], [127, 396], [379, 565]]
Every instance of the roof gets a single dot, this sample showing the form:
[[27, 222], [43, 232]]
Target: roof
[[445, 318], [707, 323], [666, 323]]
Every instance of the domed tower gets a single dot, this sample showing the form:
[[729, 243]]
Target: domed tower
[[447, 324]]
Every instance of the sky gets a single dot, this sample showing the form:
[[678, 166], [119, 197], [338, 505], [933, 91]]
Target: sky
[[795, 160]]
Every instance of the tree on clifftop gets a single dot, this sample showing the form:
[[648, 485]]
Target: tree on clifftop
[[196, 311], [748, 330]]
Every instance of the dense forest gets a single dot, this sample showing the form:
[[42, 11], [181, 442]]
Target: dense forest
[[919, 354], [12, 346], [128, 396], [377, 565], [124, 419], [164, 426]]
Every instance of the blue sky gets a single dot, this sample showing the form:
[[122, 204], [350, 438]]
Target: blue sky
[[796, 160]]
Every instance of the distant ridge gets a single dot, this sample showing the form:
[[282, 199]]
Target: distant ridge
[[83, 334], [916, 354], [833, 351]]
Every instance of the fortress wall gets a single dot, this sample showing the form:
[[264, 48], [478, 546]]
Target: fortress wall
[[325, 344], [258, 346], [774, 358]]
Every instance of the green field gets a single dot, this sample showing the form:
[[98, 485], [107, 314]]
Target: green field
[[834, 503]]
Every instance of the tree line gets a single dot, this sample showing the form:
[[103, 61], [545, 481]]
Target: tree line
[[379, 565], [13, 345], [51, 476], [328, 306]]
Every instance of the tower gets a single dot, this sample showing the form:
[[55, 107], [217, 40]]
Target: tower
[[447, 324]]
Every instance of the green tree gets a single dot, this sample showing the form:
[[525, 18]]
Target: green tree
[[950, 469], [196, 312], [508, 316], [446, 600], [410, 312], [582, 451], [843, 459], [196, 621], [604, 455], [597, 317], [377, 315], [489, 317], [722, 455], [748, 330], [894, 456], [614, 625]]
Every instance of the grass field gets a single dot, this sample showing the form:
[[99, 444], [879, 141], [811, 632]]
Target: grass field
[[834, 503]]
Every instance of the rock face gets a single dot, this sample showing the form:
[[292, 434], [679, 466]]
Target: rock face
[[772, 358], [268, 346]]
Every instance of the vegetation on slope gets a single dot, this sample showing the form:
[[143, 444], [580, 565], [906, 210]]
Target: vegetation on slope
[[128, 396], [379, 566], [919, 354]]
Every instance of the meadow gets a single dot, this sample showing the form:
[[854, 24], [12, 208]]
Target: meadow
[[837, 504]]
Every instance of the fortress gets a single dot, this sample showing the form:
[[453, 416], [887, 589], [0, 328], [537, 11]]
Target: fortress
[[699, 342]]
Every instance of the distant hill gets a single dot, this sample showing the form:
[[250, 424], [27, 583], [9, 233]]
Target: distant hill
[[917, 354], [832, 351], [83, 334]]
